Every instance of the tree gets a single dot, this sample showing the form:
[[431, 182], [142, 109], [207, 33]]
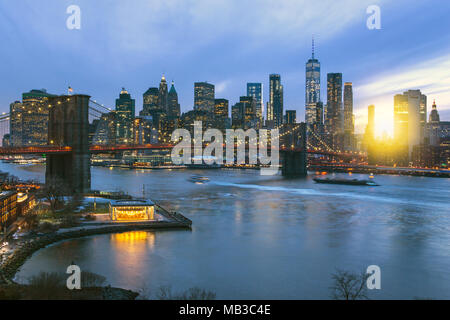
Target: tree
[[349, 286], [54, 191], [30, 221], [194, 293]]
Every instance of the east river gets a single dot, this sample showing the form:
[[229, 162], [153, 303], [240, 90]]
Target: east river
[[266, 237]]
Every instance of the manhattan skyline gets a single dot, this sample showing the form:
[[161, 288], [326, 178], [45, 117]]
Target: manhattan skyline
[[109, 53]]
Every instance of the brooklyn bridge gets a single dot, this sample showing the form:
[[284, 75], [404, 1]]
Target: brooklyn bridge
[[68, 151]]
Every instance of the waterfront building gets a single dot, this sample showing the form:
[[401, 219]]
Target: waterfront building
[[173, 105], [291, 116], [163, 96], [125, 113], [243, 113], [275, 104], [29, 119], [318, 119], [129, 210], [237, 115], [188, 118], [8, 207], [255, 90], [143, 130], [349, 118], [6, 140], [370, 128], [151, 105], [15, 123], [333, 116], [221, 113], [249, 109], [409, 125], [312, 90], [204, 97], [26, 201], [433, 126], [369, 134]]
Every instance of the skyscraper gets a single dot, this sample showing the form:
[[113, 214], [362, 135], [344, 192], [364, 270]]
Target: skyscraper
[[275, 105], [150, 106], [204, 97], [434, 126], [163, 99], [349, 127], [125, 113], [291, 116], [333, 120], [221, 113], [29, 119], [256, 90], [250, 118], [409, 126], [369, 134], [173, 105], [312, 89], [244, 113]]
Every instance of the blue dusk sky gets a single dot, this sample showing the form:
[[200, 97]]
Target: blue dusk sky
[[228, 43]]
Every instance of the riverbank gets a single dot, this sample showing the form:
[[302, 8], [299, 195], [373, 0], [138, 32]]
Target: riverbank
[[27, 292], [24, 249]]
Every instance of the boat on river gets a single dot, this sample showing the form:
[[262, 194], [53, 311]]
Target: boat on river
[[352, 182], [198, 179]]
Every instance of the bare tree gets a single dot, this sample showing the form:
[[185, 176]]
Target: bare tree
[[349, 286], [194, 293], [54, 191]]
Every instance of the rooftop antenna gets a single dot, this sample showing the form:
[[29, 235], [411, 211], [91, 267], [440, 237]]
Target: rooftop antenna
[[313, 46]]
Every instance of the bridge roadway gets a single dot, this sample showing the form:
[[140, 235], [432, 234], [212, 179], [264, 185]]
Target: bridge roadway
[[95, 149]]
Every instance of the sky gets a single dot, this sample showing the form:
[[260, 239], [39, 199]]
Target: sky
[[228, 43]]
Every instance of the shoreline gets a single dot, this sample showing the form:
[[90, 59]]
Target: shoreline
[[26, 248]]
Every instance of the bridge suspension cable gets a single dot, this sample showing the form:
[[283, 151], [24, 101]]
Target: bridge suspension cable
[[101, 105]]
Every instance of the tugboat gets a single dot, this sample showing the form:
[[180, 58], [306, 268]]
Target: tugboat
[[198, 179], [352, 182]]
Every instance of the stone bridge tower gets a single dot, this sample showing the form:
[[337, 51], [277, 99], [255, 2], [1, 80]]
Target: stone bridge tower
[[294, 161], [69, 126]]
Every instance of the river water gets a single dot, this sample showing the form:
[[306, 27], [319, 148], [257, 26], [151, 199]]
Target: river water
[[266, 237]]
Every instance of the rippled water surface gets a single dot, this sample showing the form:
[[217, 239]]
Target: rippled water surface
[[268, 237]]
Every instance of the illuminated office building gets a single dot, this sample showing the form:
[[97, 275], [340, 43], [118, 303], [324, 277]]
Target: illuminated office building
[[333, 119], [255, 90], [291, 116], [151, 105], [349, 119], [163, 96], [409, 126], [29, 119], [204, 97], [125, 113], [312, 89], [221, 113], [173, 105], [275, 104]]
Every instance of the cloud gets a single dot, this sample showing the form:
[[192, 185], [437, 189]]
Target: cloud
[[221, 86], [432, 77]]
